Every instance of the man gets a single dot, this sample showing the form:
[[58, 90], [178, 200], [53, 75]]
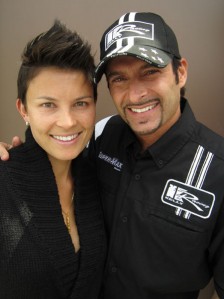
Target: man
[[160, 171]]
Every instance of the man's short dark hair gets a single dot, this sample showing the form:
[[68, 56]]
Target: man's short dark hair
[[57, 47], [176, 64]]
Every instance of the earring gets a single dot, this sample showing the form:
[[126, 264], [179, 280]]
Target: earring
[[27, 123]]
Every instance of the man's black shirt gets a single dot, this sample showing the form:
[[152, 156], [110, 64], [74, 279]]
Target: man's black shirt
[[163, 208]]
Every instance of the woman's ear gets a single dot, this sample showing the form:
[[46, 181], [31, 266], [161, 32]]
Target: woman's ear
[[182, 72], [22, 110]]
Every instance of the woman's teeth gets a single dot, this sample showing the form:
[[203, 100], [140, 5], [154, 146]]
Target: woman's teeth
[[65, 138]]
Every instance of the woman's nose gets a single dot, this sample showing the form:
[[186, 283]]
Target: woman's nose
[[66, 119]]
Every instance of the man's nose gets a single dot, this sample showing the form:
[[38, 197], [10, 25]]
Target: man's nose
[[137, 90]]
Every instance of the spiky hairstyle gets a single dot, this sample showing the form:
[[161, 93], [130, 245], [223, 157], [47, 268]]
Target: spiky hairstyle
[[57, 47]]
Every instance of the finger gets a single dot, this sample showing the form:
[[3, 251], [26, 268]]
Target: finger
[[4, 147], [16, 141]]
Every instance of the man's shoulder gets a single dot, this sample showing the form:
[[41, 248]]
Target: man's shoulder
[[210, 140], [110, 124]]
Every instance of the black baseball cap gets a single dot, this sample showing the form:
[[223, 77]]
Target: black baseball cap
[[144, 35]]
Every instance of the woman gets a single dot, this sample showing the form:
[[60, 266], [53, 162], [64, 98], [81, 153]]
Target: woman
[[52, 242]]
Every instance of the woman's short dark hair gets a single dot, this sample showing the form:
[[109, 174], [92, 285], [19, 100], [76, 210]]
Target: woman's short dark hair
[[57, 47]]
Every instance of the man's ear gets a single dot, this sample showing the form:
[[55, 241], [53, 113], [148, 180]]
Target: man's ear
[[22, 110], [182, 72]]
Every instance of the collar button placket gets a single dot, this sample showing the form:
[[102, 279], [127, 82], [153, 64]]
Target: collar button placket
[[137, 177], [160, 163]]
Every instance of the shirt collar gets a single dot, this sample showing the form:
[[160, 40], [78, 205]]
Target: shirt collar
[[175, 138], [172, 141]]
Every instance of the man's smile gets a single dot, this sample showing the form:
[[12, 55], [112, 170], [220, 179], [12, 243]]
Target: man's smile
[[141, 110]]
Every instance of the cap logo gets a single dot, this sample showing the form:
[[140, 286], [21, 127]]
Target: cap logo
[[129, 29]]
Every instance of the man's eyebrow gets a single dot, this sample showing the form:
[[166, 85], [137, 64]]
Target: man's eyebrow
[[146, 65], [110, 74]]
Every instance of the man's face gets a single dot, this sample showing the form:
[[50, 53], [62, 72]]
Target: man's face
[[146, 97]]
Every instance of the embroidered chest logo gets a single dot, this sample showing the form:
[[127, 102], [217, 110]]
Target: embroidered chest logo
[[188, 198], [113, 161]]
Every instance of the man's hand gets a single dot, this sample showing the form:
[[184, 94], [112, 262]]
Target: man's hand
[[4, 147]]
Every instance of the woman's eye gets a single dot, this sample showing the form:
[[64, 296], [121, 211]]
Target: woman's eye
[[80, 104], [48, 105]]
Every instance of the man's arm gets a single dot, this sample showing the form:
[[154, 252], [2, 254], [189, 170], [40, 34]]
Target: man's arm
[[4, 147]]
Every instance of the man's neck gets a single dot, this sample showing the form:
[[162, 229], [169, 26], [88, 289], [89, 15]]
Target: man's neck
[[149, 139]]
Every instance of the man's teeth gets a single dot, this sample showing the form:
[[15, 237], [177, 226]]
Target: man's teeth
[[138, 110], [65, 138]]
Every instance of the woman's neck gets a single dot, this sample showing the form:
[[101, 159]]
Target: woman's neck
[[65, 184], [62, 170], [64, 180]]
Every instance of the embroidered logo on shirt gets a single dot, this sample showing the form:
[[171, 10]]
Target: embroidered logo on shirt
[[113, 161], [188, 199], [191, 199]]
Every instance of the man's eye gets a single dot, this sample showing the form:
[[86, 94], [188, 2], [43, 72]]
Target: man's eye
[[151, 72], [117, 79]]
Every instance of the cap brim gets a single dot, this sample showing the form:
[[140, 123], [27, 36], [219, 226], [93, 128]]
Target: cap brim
[[149, 54]]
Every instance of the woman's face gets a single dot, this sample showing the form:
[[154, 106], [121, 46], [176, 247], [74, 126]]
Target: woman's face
[[60, 109]]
